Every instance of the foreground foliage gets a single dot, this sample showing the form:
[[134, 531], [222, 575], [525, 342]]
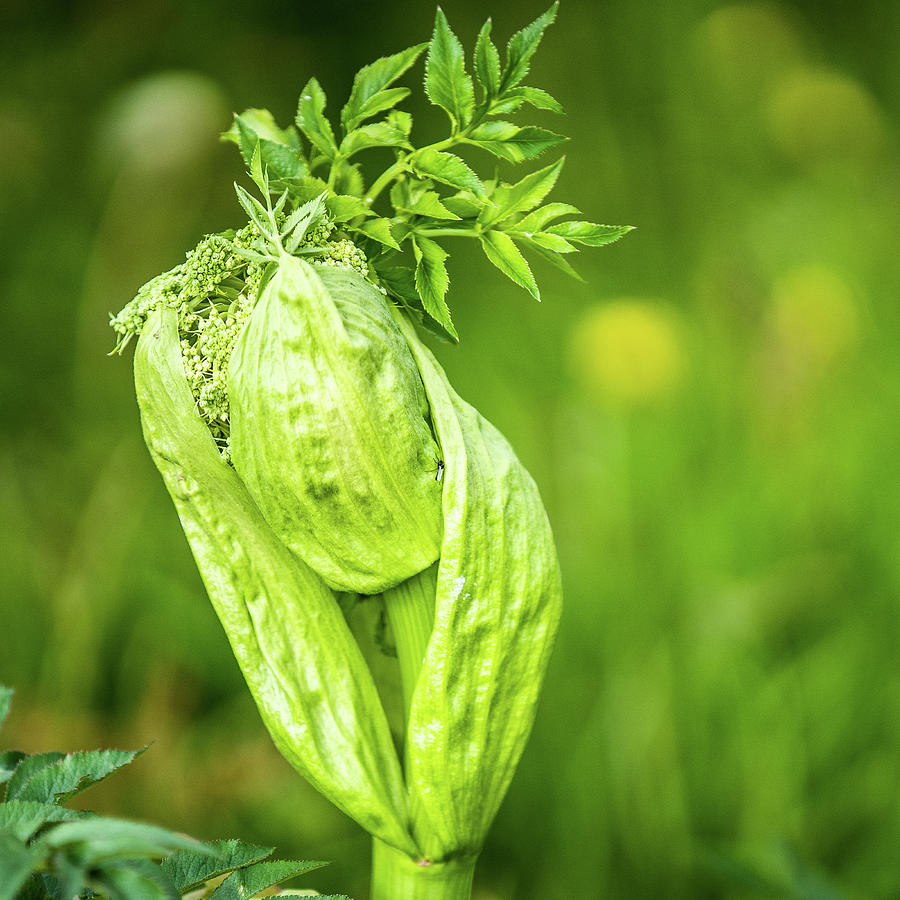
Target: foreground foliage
[[51, 852]]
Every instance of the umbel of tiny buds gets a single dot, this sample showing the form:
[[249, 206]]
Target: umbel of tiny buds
[[339, 412]]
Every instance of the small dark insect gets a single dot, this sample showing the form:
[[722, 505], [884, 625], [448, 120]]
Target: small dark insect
[[439, 475]]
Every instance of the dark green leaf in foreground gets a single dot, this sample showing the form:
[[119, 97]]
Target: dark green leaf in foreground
[[135, 879], [246, 882], [512, 143], [589, 233], [369, 95], [311, 118], [99, 839], [446, 81], [432, 280], [503, 253], [72, 774], [24, 817], [446, 168], [17, 860], [188, 869], [27, 769], [9, 760], [521, 48], [37, 888]]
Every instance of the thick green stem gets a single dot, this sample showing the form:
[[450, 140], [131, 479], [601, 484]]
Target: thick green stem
[[410, 611], [397, 877]]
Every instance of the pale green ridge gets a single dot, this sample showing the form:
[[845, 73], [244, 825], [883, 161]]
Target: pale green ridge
[[498, 603]]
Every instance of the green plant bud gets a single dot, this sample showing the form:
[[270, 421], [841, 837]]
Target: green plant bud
[[330, 429], [302, 665]]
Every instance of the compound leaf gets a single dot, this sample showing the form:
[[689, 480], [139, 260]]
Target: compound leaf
[[446, 81], [504, 254], [250, 881], [512, 143], [589, 233], [311, 118], [72, 774], [368, 95], [189, 869], [378, 134], [521, 48], [432, 280], [487, 61], [446, 168], [522, 196]]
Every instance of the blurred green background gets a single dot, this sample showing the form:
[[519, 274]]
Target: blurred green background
[[712, 419]]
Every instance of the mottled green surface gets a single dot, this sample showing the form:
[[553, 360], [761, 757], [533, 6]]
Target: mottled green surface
[[710, 419], [330, 430]]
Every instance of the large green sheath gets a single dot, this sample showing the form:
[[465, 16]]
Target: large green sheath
[[302, 665], [497, 608], [329, 429]]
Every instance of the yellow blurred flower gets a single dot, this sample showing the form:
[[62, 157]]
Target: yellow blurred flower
[[746, 45], [813, 318], [820, 115], [164, 120], [629, 351]]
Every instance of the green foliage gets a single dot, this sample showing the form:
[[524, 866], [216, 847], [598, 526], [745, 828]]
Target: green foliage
[[330, 220], [729, 551], [50, 852], [405, 237]]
